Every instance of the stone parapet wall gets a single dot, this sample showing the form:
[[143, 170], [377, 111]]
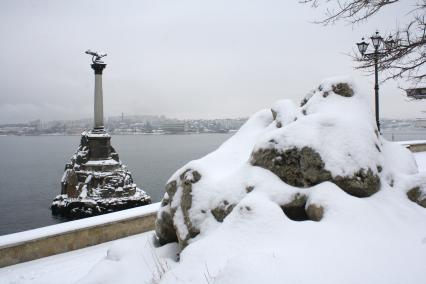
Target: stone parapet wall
[[65, 237], [417, 147], [414, 145]]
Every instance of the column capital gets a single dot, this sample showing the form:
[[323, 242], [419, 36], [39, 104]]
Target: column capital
[[98, 67]]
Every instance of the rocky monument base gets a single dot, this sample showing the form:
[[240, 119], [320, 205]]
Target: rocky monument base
[[96, 181]]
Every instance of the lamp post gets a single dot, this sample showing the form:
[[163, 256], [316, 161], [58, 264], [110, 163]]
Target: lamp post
[[378, 53]]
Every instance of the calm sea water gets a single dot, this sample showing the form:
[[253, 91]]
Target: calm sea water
[[31, 168]]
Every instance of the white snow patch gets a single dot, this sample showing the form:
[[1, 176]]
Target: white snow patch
[[108, 162]]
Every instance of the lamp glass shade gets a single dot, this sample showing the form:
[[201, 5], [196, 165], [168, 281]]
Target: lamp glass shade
[[377, 40], [362, 47]]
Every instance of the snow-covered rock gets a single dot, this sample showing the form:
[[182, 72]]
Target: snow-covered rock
[[285, 153], [333, 139]]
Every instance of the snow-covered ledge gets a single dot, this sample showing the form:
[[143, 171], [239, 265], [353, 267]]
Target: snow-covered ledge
[[60, 238]]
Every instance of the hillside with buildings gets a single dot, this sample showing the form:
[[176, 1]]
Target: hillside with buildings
[[122, 125]]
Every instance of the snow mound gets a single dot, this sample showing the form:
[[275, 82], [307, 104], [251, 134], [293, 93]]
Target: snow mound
[[333, 203], [285, 152]]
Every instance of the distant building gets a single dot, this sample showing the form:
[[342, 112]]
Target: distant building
[[420, 122], [416, 93], [173, 127]]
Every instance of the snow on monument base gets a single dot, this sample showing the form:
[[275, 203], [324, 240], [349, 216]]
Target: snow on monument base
[[96, 181]]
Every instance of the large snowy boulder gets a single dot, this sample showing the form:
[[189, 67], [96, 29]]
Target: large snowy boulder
[[285, 153], [333, 139]]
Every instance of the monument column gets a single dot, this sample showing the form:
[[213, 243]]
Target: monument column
[[98, 139], [98, 106], [98, 66]]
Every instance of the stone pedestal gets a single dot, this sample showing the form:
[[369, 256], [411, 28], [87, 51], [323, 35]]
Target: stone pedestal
[[99, 146], [96, 181]]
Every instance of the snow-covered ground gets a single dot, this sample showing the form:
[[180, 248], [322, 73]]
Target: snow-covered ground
[[421, 161], [71, 267], [148, 261], [61, 268]]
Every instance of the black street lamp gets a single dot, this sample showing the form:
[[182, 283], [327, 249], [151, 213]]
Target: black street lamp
[[378, 53]]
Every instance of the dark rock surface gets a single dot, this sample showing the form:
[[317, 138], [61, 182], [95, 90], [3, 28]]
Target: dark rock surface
[[298, 167], [164, 227], [305, 168], [416, 195], [295, 210], [220, 212], [343, 89], [315, 212]]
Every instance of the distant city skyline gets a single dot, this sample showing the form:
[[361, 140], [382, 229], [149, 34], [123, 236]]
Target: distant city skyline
[[118, 117], [187, 59], [124, 125], [143, 124]]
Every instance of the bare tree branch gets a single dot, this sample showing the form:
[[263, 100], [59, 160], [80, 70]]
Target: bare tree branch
[[408, 58]]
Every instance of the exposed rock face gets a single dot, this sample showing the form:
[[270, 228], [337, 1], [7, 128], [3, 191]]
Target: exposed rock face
[[315, 212], [305, 168], [296, 167], [164, 226], [69, 184], [343, 89], [222, 210], [96, 182], [187, 178], [417, 195], [361, 184], [295, 210]]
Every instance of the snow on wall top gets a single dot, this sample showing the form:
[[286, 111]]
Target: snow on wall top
[[30, 235]]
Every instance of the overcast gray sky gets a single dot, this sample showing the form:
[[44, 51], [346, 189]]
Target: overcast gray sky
[[180, 58]]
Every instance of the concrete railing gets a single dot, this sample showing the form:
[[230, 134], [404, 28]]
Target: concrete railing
[[60, 238], [420, 147]]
